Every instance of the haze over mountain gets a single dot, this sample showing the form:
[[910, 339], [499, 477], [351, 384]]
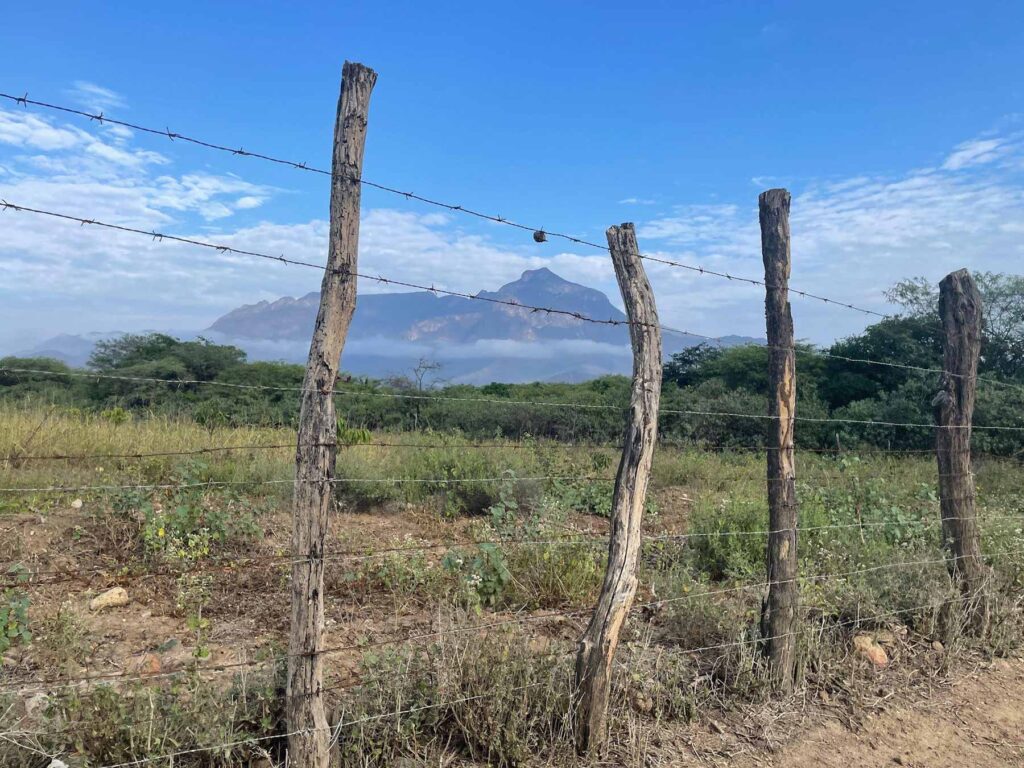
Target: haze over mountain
[[424, 316], [474, 341]]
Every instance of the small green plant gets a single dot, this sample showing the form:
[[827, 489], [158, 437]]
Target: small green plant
[[589, 497], [14, 611], [485, 575], [193, 595], [352, 435], [116, 415], [188, 524]]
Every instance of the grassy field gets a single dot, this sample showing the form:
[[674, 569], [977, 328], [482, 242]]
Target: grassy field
[[433, 537]]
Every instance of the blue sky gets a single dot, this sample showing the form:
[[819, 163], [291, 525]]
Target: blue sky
[[898, 128]]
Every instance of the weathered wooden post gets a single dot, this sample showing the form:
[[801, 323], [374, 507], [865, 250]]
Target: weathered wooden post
[[961, 313], [317, 439], [597, 646], [778, 615]]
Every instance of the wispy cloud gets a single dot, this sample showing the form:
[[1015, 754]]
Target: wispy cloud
[[977, 152], [95, 97], [853, 238]]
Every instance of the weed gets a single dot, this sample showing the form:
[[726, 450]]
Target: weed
[[14, 607]]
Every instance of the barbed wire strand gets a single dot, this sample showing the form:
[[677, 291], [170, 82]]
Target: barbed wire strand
[[337, 728], [241, 152], [31, 578], [718, 340], [591, 406], [70, 682]]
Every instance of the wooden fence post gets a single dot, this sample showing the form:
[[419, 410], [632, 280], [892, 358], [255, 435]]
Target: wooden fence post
[[778, 616], [316, 451], [961, 313], [597, 646]]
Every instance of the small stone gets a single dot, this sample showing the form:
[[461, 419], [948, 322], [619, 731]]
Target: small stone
[[55, 763], [37, 703], [112, 598], [938, 647], [866, 647], [76, 504], [149, 665]]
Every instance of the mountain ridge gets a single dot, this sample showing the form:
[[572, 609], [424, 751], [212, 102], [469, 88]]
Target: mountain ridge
[[476, 341]]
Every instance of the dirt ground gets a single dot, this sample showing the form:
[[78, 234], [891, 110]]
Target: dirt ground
[[976, 720]]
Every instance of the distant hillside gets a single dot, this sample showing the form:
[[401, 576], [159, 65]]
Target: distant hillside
[[476, 342]]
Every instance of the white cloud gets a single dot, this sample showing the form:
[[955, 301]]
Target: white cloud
[[637, 201], [249, 201], [28, 131], [976, 152]]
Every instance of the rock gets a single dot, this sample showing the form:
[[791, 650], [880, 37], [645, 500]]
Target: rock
[[112, 598], [76, 504], [866, 647], [938, 647], [55, 763], [36, 704], [149, 664]]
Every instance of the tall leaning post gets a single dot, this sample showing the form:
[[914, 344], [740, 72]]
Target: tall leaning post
[[779, 609], [597, 646], [316, 452], [960, 310]]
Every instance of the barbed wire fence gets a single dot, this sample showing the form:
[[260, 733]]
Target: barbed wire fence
[[307, 737]]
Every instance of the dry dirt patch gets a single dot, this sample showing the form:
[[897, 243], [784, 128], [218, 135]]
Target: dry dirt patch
[[977, 721]]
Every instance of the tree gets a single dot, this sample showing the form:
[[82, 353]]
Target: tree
[[200, 359], [904, 340], [685, 368], [1002, 297], [422, 368]]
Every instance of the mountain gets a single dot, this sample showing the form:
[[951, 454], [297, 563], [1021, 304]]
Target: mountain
[[426, 317], [476, 342]]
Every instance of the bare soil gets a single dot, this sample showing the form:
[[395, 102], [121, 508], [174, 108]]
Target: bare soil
[[976, 719]]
